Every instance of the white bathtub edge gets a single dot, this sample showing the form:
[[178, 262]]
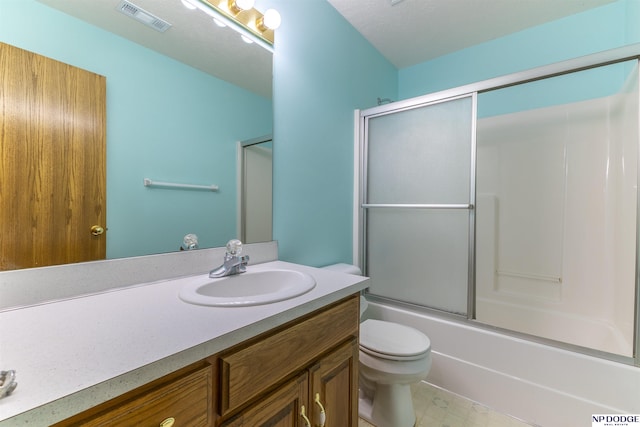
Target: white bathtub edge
[[539, 384], [531, 402]]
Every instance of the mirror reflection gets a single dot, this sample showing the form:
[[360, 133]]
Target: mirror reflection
[[171, 114], [256, 175]]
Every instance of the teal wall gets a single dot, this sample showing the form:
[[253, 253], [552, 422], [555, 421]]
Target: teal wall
[[165, 121], [632, 29], [569, 88], [606, 27], [323, 70]]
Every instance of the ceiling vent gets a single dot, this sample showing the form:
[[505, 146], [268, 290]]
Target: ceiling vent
[[143, 16]]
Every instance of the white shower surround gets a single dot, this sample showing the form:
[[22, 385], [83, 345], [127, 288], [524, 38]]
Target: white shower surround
[[570, 173]]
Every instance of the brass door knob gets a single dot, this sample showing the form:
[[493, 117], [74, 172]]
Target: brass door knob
[[96, 230]]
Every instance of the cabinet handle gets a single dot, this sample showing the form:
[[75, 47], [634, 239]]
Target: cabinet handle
[[168, 422], [304, 417], [322, 416]]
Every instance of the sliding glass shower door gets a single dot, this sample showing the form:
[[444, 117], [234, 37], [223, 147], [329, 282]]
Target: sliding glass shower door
[[512, 202], [418, 203]]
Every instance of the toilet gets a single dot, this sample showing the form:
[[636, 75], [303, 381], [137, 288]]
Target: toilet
[[392, 357]]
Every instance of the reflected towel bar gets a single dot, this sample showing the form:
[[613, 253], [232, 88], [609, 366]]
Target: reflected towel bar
[[150, 183]]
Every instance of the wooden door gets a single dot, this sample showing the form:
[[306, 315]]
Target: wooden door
[[281, 408], [334, 385], [52, 161], [256, 224]]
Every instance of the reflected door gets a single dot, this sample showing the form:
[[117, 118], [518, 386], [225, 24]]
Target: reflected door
[[52, 154], [256, 192], [417, 204]]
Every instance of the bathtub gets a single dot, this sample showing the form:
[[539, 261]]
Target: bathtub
[[565, 327], [537, 383]]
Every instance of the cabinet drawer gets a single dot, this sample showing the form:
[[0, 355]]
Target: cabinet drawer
[[250, 371], [186, 399], [281, 408]]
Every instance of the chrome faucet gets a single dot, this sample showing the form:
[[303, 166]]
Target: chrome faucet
[[233, 262], [7, 383]]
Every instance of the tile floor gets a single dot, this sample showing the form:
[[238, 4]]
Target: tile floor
[[436, 407]]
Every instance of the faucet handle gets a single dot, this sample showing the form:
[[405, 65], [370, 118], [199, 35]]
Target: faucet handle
[[234, 247], [189, 242], [7, 383]]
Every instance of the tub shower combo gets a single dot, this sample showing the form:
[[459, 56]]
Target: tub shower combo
[[509, 208]]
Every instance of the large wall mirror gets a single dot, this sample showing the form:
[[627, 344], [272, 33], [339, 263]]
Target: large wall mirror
[[177, 104]]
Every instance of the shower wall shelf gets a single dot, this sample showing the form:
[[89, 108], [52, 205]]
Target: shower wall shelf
[[178, 186]]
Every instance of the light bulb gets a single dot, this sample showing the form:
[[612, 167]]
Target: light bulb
[[245, 4], [237, 6], [188, 5], [271, 19], [246, 39]]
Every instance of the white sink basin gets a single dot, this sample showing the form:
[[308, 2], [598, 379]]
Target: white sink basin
[[246, 289]]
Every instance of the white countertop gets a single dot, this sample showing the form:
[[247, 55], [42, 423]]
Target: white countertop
[[73, 354]]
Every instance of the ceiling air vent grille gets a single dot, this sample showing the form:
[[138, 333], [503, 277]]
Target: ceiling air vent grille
[[143, 16]]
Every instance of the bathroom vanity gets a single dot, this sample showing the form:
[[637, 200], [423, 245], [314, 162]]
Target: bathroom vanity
[[273, 378], [141, 356]]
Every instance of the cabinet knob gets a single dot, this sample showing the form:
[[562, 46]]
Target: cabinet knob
[[303, 414], [168, 422], [322, 416]]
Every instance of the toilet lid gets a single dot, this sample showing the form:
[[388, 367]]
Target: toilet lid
[[392, 341]]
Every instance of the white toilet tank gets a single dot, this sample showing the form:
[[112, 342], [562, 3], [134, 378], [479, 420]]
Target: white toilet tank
[[350, 269], [344, 268]]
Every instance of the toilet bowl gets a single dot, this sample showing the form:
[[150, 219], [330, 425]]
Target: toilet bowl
[[392, 357]]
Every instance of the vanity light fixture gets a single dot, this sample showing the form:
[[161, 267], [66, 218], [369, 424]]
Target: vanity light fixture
[[241, 16], [237, 6]]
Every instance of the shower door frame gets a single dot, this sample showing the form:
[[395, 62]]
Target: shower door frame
[[470, 205], [608, 57]]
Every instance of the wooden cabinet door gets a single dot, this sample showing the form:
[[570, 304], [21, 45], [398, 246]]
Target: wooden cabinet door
[[186, 399], [282, 408], [334, 383], [52, 161], [252, 370]]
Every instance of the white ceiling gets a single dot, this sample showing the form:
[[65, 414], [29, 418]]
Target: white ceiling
[[192, 39], [406, 32]]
